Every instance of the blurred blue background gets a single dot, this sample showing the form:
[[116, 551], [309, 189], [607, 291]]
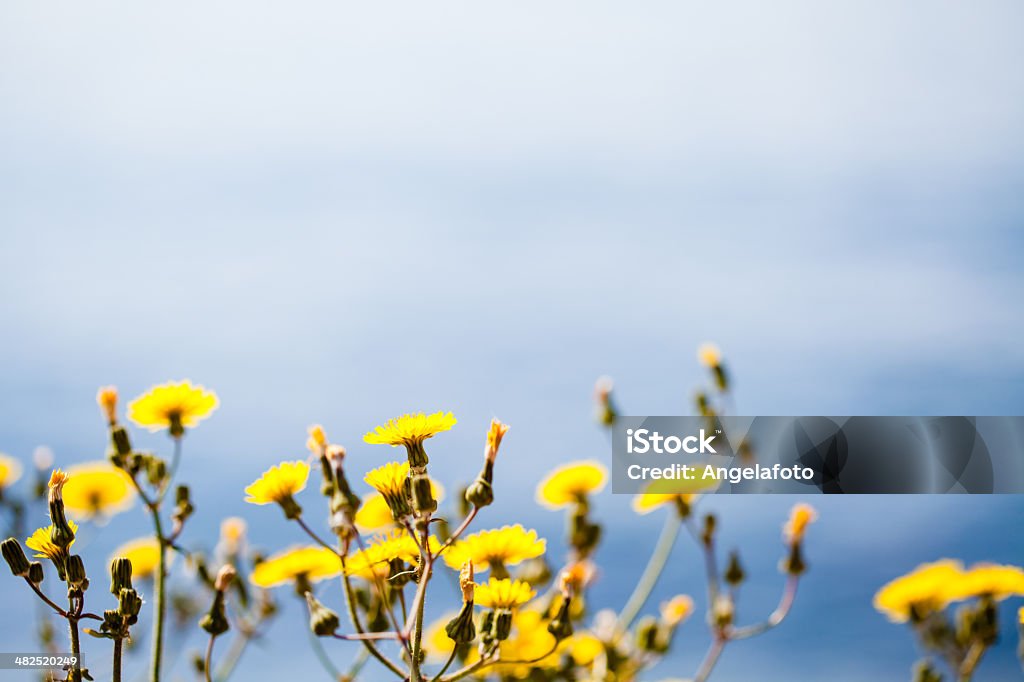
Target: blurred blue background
[[338, 214]]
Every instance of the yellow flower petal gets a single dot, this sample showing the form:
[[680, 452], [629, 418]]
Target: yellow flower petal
[[10, 471], [97, 489], [278, 483], [312, 563], [508, 545], [410, 428], [503, 593]]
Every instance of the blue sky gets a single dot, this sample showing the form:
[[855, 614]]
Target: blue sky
[[337, 214]]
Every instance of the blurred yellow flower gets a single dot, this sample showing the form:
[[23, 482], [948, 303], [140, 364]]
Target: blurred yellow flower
[[374, 559], [1020, 615], [172, 406], [410, 429], [709, 355], [373, 514], [530, 640], [144, 553], [97, 489], [311, 563], [503, 593], [800, 517], [645, 503], [507, 546], [317, 441], [278, 483], [10, 471], [232, 533], [919, 592], [571, 483], [583, 648], [676, 610], [993, 580], [106, 397], [44, 547]]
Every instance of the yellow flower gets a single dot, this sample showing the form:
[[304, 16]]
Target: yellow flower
[[505, 546], [97, 489], [571, 483], [317, 442], [106, 397], [645, 503], [10, 471], [709, 355], [311, 563], [676, 610], [799, 518], [410, 429], [232, 533], [172, 406], [144, 553], [279, 483], [919, 592], [374, 514], [44, 547], [374, 560], [503, 594], [389, 479], [992, 580], [583, 648], [1020, 615]]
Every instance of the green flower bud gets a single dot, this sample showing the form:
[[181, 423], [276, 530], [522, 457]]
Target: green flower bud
[[15, 557], [35, 572], [794, 564], [480, 493], [734, 574], [156, 470], [129, 603], [647, 638], [120, 575], [422, 496], [502, 625], [75, 571], [561, 625], [708, 534], [121, 444], [487, 627], [461, 629], [215, 621], [322, 621]]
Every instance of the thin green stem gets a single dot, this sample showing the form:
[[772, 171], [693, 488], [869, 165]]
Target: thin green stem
[[321, 656], [655, 567], [161, 589], [710, 659], [448, 664], [415, 675]]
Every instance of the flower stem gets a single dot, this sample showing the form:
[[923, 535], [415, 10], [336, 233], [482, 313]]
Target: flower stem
[[321, 656], [161, 588], [118, 646], [710, 659], [76, 647], [350, 602], [655, 566]]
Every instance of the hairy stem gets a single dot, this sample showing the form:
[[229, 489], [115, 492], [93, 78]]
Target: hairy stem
[[350, 602], [161, 600], [710, 659], [118, 646]]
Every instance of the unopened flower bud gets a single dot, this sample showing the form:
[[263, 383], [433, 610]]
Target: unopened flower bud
[[156, 470], [75, 571], [422, 494], [480, 492], [734, 574], [35, 572], [461, 629], [129, 603], [561, 625], [794, 563], [120, 444], [648, 635], [61, 533], [107, 400], [120, 575], [15, 557], [800, 517], [605, 412], [502, 625], [708, 534], [317, 442], [676, 610], [224, 578], [322, 620], [215, 621]]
